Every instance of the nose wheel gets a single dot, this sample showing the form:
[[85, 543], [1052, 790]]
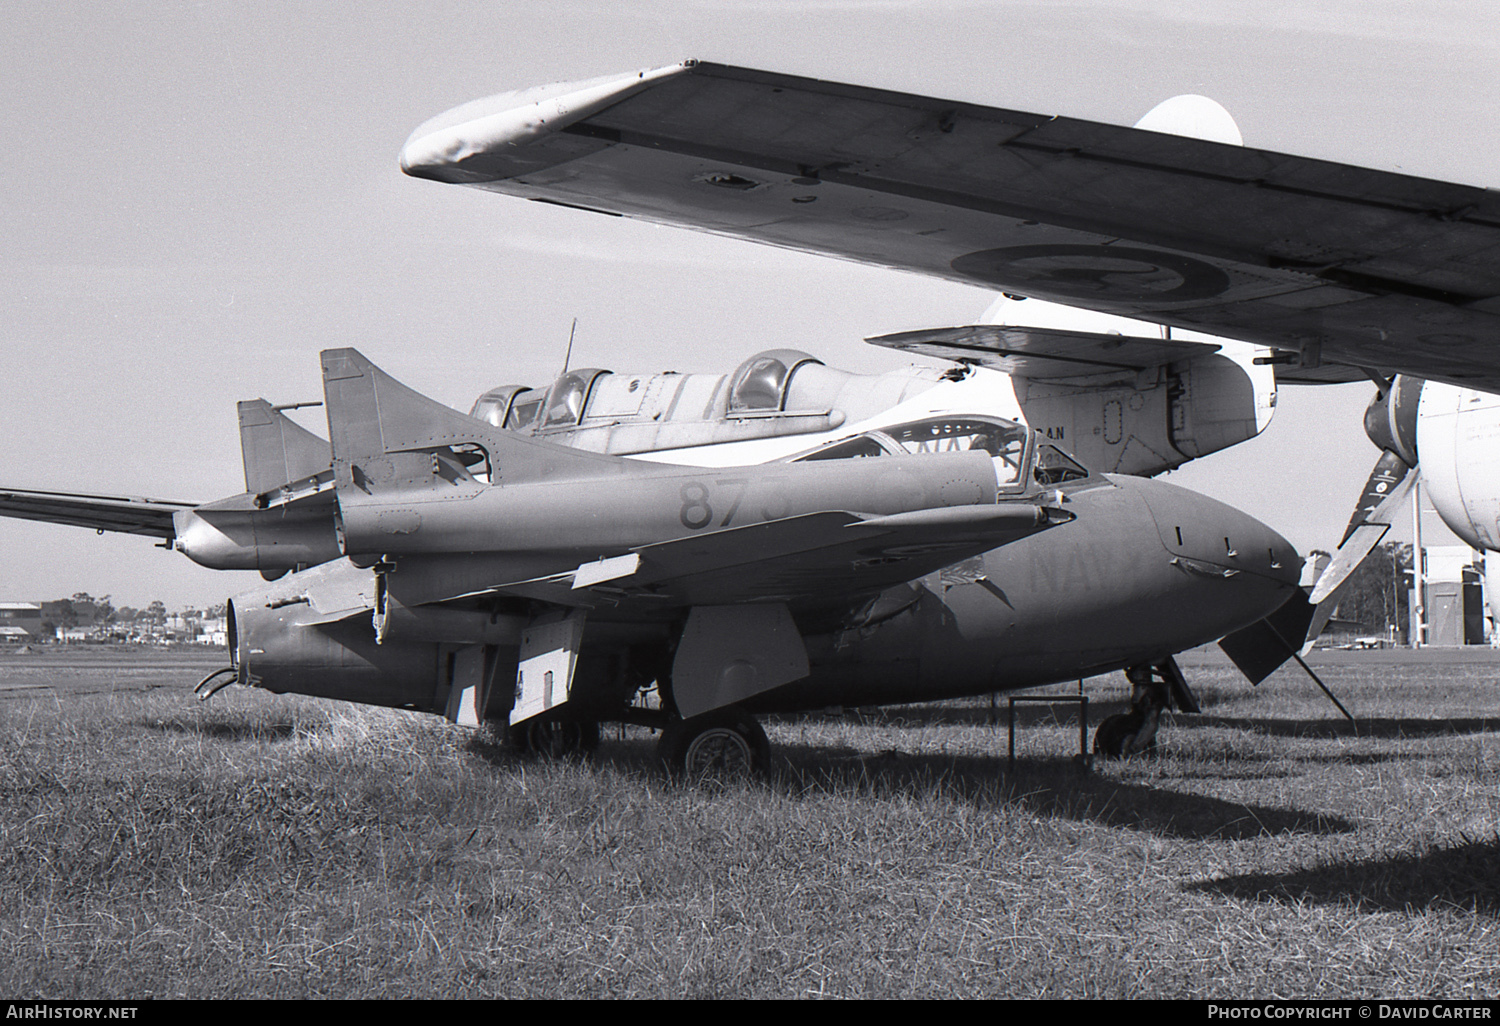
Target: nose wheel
[[1152, 687], [723, 744]]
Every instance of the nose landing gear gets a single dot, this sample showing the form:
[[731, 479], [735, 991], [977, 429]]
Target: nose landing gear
[[1152, 687]]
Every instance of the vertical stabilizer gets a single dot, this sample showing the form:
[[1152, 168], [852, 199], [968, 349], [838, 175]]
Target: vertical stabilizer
[[276, 450], [375, 423]]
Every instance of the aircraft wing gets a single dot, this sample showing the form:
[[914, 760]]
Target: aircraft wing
[[1334, 263], [127, 514], [1042, 353], [810, 558]]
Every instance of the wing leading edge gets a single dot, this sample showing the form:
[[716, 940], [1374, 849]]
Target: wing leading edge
[[1335, 263]]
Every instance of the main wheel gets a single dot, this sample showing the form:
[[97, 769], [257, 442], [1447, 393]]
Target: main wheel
[[556, 739], [722, 744]]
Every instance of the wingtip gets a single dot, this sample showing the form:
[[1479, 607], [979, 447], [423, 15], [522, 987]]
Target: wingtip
[[440, 146]]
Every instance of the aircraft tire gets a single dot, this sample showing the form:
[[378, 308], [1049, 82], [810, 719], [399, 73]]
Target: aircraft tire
[[1115, 732], [722, 744], [556, 739]]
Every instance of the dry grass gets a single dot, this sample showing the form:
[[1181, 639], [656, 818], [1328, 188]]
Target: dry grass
[[260, 846]]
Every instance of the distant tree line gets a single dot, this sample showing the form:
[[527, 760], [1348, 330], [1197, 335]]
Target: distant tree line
[[84, 610]]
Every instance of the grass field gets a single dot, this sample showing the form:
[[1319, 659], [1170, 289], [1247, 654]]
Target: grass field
[[263, 846]]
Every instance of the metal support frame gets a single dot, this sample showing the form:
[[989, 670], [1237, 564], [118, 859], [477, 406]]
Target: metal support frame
[[1082, 701]]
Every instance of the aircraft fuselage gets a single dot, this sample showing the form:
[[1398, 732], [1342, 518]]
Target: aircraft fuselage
[[1062, 604]]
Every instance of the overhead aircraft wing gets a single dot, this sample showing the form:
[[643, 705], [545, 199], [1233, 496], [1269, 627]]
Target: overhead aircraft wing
[[1334, 263], [1043, 353], [798, 560], [127, 514]]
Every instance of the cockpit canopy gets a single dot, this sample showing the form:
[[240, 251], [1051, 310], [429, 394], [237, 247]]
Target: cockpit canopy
[[568, 396], [757, 387], [1005, 441], [775, 393], [493, 406], [760, 383], [517, 407]]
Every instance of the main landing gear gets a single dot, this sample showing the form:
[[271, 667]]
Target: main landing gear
[[555, 738], [721, 744], [1151, 688]]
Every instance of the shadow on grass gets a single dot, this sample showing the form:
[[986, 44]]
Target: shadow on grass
[[1266, 771], [1357, 758], [953, 714], [1378, 727], [240, 729], [1048, 787], [488, 746], [634, 757], [1465, 876], [1057, 788]]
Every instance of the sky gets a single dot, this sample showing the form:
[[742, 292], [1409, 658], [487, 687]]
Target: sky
[[201, 196]]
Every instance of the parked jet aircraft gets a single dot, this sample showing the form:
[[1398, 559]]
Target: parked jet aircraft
[[428, 559], [1342, 273]]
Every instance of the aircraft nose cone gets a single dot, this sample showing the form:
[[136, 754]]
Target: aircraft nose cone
[[1207, 536]]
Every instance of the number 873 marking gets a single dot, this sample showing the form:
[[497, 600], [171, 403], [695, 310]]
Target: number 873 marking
[[697, 511]]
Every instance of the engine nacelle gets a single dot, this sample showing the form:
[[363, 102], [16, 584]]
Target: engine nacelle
[[1163, 418], [1150, 420], [1221, 399], [1458, 440]]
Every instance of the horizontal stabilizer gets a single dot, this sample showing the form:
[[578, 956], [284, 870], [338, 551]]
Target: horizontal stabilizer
[[127, 514], [1043, 353]]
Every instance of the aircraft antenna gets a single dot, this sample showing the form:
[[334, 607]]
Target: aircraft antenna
[[568, 357]]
